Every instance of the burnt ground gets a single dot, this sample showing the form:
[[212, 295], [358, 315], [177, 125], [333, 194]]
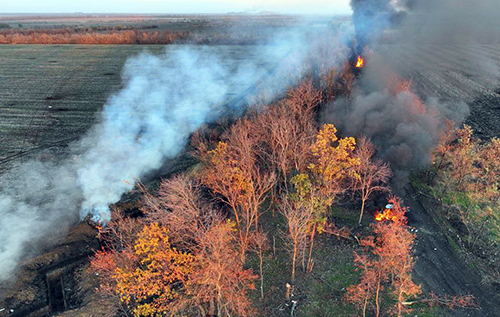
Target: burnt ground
[[451, 73], [439, 268], [485, 115], [50, 282]]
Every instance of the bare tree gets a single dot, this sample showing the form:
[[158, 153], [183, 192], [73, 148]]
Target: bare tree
[[299, 219], [289, 128], [179, 207], [219, 283], [233, 171], [371, 175], [259, 244]]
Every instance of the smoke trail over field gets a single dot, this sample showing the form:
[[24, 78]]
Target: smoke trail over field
[[165, 99]]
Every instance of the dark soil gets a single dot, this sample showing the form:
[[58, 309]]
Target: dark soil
[[485, 115], [440, 269], [49, 283]]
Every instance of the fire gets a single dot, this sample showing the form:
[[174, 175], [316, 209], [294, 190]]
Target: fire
[[99, 225], [360, 63], [387, 214]]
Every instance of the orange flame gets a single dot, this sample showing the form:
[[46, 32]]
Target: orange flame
[[360, 63], [98, 226], [387, 214]]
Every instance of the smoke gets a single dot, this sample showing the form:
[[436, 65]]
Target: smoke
[[372, 17], [436, 39], [402, 127], [165, 99]]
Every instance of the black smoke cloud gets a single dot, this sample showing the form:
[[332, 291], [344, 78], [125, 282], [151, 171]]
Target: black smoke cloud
[[372, 17], [405, 126]]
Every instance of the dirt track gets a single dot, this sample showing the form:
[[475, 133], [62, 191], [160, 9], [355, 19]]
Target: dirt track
[[440, 269], [452, 73]]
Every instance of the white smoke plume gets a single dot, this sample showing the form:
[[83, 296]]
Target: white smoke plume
[[165, 98]]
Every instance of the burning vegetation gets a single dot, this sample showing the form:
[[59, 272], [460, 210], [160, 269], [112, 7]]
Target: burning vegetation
[[360, 62], [269, 187], [386, 214], [207, 224]]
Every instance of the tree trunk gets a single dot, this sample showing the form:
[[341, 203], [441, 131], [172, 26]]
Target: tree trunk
[[311, 245], [364, 306], [480, 233], [256, 215], [437, 168], [362, 209], [261, 275], [294, 257], [400, 300], [377, 304]]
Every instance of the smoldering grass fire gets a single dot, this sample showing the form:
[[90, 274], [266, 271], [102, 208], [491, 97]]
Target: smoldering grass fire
[[165, 98]]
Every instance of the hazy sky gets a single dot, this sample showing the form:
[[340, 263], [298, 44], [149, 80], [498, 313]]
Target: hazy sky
[[176, 6]]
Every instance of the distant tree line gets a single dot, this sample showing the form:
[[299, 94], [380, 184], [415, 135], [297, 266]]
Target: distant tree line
[[121, 35]]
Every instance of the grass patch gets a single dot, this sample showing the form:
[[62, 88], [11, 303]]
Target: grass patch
[[320, 293], [334, 271], [346, 216]]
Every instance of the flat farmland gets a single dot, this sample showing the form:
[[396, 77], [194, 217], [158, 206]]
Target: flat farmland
[[50, 95], [454, 72]]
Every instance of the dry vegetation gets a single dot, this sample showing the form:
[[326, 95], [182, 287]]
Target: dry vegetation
[[140, 30], [464, 182], [69, 36], [204, 233], [139, 37]]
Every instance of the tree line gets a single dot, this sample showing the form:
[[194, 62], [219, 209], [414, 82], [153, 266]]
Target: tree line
[[465, 180], [188, 254], [138, 37]]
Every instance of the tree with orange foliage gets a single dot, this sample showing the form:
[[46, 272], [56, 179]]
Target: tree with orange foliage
[[371, 175], [463, 155], [468, 182], [389, 264], [444, 147], [333, 165], [219, 283], [243, 141], [333, 159], [364, 292], [489, 172], [156, 281], [232, 171]]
